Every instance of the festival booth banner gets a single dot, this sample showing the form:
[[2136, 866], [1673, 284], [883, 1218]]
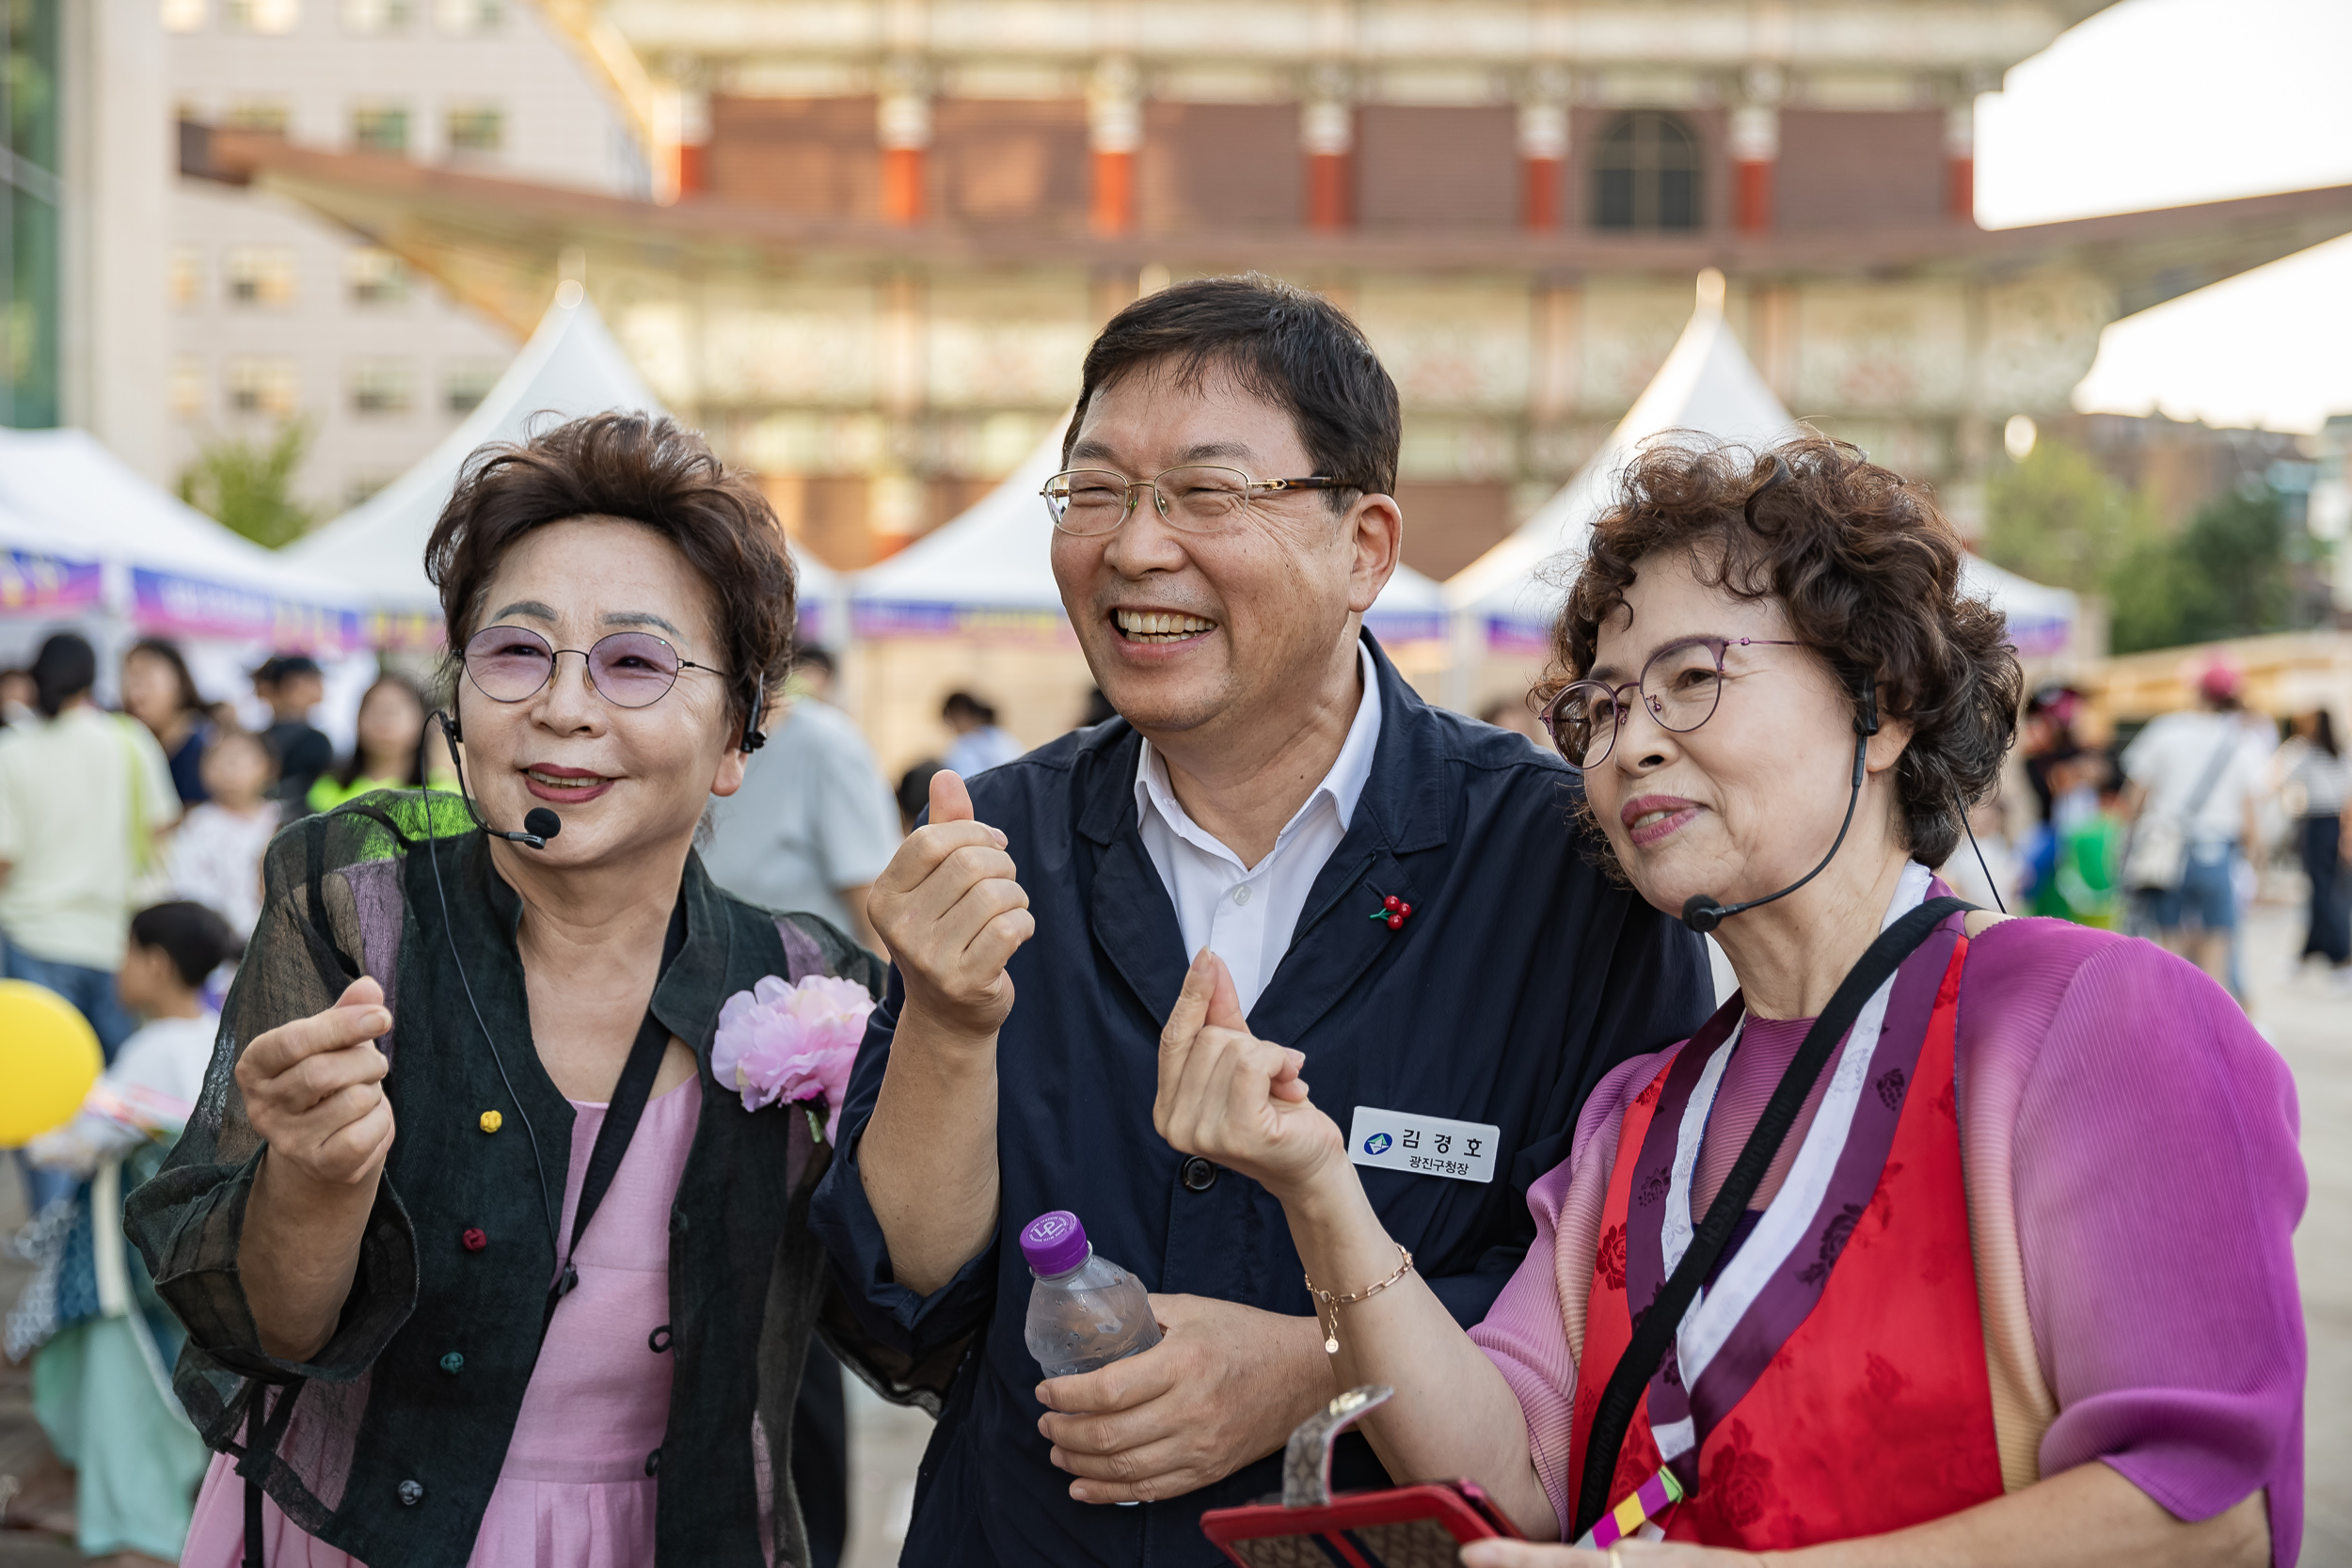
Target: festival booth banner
[[84, 531], [169, 604], [405, 631], [35, 583], [881, 618]]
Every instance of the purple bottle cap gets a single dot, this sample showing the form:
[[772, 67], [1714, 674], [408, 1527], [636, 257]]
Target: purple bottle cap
[[1054, 1244]]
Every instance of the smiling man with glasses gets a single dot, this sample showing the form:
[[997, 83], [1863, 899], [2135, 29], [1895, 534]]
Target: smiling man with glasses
[[1388, 886]]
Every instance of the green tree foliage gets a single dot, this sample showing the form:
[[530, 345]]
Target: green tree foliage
[[2228, 574], [2057, 517], [248, 484]]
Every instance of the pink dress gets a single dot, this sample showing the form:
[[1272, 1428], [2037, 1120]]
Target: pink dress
[[573, 1492]]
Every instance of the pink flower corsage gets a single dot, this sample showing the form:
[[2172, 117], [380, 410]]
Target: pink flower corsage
[[779, 1044]]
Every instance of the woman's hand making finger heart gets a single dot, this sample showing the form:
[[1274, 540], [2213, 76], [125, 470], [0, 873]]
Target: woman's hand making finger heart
[[1233, 1099]]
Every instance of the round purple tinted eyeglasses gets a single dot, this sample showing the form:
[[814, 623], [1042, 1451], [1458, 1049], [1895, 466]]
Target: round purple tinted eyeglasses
[[627, 669]]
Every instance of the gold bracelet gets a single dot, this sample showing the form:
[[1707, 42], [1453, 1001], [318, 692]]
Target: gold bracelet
[[1327, 1306]]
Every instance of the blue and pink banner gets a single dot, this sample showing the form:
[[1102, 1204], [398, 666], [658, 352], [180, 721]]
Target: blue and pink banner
[[889, 618], [1397, 628], [1510, 637], [165, 602], [405, 631], [31, 581]]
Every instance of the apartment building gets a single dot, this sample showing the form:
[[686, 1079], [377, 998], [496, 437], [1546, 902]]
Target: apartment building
[[275, 313]]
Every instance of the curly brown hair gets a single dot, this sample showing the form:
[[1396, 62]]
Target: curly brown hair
[[647, 471], [1868, 571]]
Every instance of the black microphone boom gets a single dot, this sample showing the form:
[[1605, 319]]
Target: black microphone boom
[[1703, 913], [539, 824]]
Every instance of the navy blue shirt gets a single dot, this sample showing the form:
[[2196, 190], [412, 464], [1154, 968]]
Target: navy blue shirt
[[1523, 974]]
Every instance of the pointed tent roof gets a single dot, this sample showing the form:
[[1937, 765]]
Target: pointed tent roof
[[1706, 384], [988, 572], [167, 567], [570, 366]]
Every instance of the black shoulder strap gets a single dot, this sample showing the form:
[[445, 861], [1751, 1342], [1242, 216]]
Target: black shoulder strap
[[1655, 1331], [627, 1109]]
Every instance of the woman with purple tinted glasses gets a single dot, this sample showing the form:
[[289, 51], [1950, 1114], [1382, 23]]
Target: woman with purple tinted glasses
[[627, 669], [481, 1260], [1951, 1238]]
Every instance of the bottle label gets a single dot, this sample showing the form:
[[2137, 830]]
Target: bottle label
[[1424, 1146]]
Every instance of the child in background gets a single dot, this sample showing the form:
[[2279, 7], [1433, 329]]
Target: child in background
[[216, 857], [2091, 845], [101, 1383]]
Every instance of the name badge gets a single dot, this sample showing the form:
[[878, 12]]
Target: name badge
[[1424, 1146]]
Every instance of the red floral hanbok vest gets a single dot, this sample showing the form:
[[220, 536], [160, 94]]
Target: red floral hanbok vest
[[1836, 1370]]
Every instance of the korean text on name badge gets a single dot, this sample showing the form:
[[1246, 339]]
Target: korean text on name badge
[[1422, 1145]]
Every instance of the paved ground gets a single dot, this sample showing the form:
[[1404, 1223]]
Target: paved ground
[[2311, 1027]]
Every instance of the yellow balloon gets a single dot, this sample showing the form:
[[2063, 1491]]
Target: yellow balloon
[[49, 1058]]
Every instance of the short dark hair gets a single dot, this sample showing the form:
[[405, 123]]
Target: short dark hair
[[195, 939], [646, 470], [964, 705], [66, 667], [812, 656], [278, 667], [915, 787], [1286, 344], [1868, 571]]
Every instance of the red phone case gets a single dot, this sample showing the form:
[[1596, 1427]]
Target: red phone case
[[1404, 1526]]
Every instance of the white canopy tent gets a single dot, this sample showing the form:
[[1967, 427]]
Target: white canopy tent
[[1503, 604], [988, 572], [86, 541], [571, 367], [1707, 385]]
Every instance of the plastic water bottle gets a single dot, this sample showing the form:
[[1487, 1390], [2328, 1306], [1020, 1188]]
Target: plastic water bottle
[[1085, 1311]]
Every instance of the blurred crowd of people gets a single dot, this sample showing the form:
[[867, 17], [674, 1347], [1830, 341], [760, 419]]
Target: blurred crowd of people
[[2168, 837], [131, 850]]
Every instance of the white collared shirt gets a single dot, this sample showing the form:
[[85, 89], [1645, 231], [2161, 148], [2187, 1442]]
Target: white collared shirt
[[1246, 914]]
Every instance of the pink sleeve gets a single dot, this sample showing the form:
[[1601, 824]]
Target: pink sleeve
[[1538, 1320], [2157, 1186]]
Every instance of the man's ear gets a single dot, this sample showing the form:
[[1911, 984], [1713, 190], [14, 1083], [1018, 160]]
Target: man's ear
[[1377, 523]]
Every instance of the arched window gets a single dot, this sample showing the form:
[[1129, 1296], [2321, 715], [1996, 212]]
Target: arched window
[[1646, 174]]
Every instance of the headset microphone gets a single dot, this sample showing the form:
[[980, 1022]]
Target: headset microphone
[[1701, 913], [539, 824]]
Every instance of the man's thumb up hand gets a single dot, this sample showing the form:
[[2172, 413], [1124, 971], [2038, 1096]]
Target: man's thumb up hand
[[950, 800], [951, 907]]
